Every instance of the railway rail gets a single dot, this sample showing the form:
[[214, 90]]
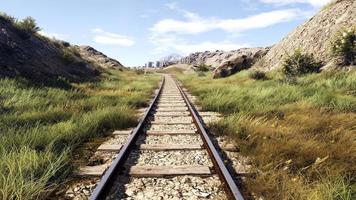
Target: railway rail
[[172, 104]]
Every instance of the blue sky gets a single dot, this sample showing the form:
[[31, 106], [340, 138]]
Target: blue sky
[[136, 31]]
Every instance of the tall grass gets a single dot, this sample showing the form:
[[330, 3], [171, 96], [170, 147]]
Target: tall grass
[[41, 125], [300, 135]]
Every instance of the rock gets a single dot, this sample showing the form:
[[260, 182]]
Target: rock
[[86, 192], [91, 54], [130, 191], [243, 59]]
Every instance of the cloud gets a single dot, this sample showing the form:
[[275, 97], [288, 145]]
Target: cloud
[[172, 35], [54, 35], [103, 37], [194, 24], [315, 3], [147, 13], [172, 43]]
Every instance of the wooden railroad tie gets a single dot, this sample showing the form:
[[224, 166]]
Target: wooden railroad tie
[[162, 171], [109, 147], [170, 147], [183, 132]]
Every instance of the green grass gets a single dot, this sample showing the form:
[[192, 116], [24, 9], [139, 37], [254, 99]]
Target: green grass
[[41, 125], [299, 134]]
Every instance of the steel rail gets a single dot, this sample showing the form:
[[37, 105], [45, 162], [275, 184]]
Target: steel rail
[[223, 173], [106, 181]]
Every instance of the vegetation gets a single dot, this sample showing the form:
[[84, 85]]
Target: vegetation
[[201, 68], [344, 45], [258, 75], [300, 136], [300, 63], [68, 55], [28, 25], [41, 125]]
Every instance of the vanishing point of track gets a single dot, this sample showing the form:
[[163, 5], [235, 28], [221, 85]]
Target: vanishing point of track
[[170, 101]]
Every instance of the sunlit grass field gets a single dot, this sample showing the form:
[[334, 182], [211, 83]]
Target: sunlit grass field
[[41, 125], [300, 134]]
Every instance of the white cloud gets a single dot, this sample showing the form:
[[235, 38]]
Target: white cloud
[[196, 24], [167, 35], [103, 37], [315, 3], [54, 35], [171, 43]]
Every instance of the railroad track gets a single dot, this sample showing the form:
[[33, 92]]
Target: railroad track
[[169, 128]]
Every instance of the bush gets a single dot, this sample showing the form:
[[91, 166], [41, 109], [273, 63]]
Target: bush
[[201, 68], [68, 56], [258, 75], [344, 45], [28, 25], [7, 17], [299, 63]]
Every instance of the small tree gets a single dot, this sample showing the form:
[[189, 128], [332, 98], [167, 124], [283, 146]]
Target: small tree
[[344, 45], [299, 63]]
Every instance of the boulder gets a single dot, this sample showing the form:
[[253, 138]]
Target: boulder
[[97, 57], [243, 59]]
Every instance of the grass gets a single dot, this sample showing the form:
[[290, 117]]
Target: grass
[[300, 135], [41, 125]]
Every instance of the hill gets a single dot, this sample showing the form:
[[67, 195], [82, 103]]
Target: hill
[[90, 54], [27, 54], [226, 63], [314, 36]]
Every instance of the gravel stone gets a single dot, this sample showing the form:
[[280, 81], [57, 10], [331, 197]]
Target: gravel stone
[[170, 139], [164, 127], [181, 187], [169, 158], [118, 139]]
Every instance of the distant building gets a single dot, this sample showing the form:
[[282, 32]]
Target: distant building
[[158, 64], [150, 64]]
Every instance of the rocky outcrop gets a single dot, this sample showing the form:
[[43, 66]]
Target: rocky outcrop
[[226, 63], [314, 36], [37, 57], [242, 59], [93, 55]]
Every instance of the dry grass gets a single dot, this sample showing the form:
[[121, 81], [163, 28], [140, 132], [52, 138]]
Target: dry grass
[[300, 135], [40, 125]]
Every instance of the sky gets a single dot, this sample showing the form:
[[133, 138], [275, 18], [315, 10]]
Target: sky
[[137, 31]]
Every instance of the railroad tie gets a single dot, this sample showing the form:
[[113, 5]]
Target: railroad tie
[[162, 171], [109, 147], [170, 147]]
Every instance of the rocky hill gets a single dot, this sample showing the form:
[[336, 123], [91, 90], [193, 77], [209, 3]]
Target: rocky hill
[[225, 63], [33, 56], [93, 55], [314, 35]]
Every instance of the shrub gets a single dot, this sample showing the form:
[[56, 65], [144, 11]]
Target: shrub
[[7, 17], [68, 56], [344, 45], [201, 68], [28, 25], [258, 75], [299, 63]]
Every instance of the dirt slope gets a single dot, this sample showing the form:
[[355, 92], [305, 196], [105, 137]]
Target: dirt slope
[[38, 58]]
